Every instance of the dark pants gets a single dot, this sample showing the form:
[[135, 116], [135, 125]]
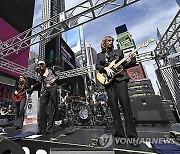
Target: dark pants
[[47, 110], [119, 91], [19, 113]]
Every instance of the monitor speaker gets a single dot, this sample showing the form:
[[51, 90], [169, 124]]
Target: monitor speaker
[[80, 151], [8, 146], [148, 109]]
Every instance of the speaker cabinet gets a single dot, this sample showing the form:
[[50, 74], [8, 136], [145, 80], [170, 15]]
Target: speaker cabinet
[[8, 146], [148, 109]]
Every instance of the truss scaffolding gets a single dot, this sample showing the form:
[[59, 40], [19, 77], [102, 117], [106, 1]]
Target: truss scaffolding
[[78, 15], [169, 43]]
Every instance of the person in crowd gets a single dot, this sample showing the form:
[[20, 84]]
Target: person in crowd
[[48, 98], [19, 98], [117, 89]]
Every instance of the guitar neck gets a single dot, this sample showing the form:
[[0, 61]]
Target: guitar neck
[[145, 44], [125, 58]]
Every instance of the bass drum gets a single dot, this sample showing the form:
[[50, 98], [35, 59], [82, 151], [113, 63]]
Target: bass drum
[[83, 114]]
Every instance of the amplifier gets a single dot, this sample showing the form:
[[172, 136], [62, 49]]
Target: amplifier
[[141, 93], [140, 88], [148, 109]]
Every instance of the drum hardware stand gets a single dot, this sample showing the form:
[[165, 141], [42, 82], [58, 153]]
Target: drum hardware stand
[[100, 115], [70, 115], [106, 118]]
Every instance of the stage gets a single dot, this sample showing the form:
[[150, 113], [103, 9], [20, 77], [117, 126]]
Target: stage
[[89, 138]]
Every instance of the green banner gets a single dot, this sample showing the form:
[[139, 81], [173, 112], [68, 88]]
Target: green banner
[[125, 41]]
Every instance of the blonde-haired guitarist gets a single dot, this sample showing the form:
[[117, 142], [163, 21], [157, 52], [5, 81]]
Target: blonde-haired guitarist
[[117, 89]]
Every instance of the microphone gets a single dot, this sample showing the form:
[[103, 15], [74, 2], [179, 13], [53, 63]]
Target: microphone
[[37, 68]]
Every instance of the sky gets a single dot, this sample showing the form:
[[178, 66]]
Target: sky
[[141, 18]]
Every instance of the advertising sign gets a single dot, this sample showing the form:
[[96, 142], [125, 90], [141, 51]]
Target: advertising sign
[[125, 41], [31, 113], [135, 73]]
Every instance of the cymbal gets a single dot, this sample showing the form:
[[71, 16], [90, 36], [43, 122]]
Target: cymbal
[[82, 98], [73, 97]]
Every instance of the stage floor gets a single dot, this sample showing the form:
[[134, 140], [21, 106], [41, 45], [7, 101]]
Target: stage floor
[[89, 138]]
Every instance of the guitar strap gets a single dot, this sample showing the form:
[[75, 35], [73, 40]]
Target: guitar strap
[[109, 57], [106, 58]]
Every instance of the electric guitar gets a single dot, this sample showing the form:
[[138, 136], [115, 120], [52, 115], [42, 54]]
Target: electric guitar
[[19, 96], [104, 79]]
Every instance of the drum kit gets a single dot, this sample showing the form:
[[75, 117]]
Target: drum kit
[[85, 111]]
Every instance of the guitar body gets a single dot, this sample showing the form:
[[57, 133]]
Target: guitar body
[[17, 98], [104, 79]]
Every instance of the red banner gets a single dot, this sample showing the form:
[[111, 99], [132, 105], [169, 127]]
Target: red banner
[[135, 73]]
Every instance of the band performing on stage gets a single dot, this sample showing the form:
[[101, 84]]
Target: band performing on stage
[[109, 105], [72, 81]]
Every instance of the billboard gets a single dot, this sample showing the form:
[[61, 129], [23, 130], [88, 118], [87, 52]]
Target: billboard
[[125, 41], [15, 17], [58, 53], [52, 52], [135, 73], [67, 55], [18, 13]]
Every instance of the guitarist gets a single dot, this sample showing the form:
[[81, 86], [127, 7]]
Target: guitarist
[[19, 98], [48, 98], [117, 90]]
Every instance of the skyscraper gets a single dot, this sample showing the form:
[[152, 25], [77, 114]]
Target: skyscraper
[[50, 9]]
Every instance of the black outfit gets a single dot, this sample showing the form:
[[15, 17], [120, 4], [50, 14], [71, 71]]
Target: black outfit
[[48, 105], [20, 107], [118, 90]]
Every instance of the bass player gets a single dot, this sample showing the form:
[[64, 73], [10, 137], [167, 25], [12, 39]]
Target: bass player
[[117, 90]]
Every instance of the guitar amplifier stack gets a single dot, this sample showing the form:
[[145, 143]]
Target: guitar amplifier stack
[[141, 87]]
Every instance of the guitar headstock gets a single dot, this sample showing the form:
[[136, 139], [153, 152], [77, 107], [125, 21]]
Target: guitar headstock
[[145, 44]]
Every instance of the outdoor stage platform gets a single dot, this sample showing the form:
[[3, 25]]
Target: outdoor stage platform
[[87, 138]]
